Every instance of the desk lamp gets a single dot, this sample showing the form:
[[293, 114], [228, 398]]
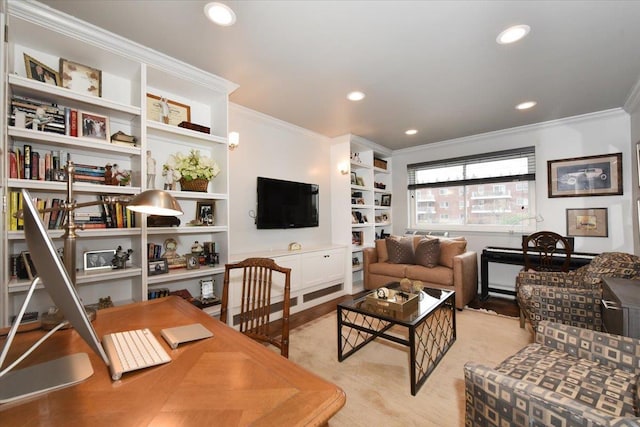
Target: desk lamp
[[155, 202]]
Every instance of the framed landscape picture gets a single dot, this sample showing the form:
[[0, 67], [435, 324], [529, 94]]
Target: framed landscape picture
[[587, 222], [585, 176]]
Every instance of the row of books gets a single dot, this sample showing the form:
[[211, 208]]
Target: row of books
[[158, 293], [110, 215], [154, 251], [52, 220], [26, 163]]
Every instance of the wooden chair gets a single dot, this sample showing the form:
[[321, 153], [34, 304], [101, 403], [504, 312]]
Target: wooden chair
[[255, 303], [538, 252]]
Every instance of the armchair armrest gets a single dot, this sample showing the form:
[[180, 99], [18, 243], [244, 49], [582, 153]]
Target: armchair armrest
[[489, 393], [369, 256], [465, 277], [607, 349]]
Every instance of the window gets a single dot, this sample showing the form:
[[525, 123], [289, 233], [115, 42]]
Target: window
[[494, 191]]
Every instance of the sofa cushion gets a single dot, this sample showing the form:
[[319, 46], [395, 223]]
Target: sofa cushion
[[388, 269], [449, 248], [381, 249], [427, 252], [400, 250], [439, 274], [608, 390]]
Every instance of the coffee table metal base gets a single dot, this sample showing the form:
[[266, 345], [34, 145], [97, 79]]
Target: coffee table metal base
[[428, 340]]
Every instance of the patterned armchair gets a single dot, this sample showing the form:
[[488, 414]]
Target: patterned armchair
[[574, 297], [569, 377]]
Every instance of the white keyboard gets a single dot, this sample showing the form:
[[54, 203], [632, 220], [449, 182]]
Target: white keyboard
[[131, 350]]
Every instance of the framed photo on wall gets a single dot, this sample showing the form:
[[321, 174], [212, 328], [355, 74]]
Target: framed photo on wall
[[585, 176], [587, 222]]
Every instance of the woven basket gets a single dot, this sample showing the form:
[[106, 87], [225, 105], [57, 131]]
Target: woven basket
[[198, 184]]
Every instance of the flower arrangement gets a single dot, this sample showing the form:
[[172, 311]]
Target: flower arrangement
[[190, 167]]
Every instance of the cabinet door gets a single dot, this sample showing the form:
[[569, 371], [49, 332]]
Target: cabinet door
[[322, 267]]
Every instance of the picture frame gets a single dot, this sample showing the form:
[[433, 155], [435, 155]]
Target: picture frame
[[81, 78], [205, 213], [599, 175], [207, 290], [193, 261], [99, 260], [94, 126], [589, 222], [157, 266], [354, 178], [174, 114], [360, 181], [385, 200], [36, 70], [29, 265]]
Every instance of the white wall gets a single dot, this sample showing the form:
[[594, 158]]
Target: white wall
[[600, 133], [275, 149]]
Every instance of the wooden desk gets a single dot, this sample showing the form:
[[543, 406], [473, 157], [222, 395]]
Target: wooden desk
[[227, 380]]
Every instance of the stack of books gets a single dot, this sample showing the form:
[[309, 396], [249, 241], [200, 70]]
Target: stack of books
[[122, 138]]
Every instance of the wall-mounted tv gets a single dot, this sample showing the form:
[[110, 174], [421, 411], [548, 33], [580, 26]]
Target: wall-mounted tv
[[286, 204]]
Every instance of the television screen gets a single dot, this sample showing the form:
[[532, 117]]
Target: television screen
[[286, 204]]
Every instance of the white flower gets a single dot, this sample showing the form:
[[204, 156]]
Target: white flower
[[191, 166]]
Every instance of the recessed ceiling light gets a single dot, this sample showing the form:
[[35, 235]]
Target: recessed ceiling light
[[513, 34], [220, 14], [355, 96], [526, 105], [411, 132]]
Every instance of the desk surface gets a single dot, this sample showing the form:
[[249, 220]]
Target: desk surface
[[225, 380]]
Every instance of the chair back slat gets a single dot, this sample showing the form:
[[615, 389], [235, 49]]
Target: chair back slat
[[546, 251], [254, 319]]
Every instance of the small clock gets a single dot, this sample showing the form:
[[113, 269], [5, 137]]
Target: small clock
[[193, 261]]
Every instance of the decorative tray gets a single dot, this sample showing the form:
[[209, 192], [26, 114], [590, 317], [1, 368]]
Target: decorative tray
[[396, 301]]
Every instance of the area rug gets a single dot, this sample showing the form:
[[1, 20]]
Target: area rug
[[376, 378]]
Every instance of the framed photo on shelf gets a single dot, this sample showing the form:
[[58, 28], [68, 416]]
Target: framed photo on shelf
[[360, 181], [36, 70], [157, 266], [354, 178], [81, 78], [385, 200], [166, 111], [98, 260], [95, 126], [29, 265], [205, 213], [193, 261], [587, 222], [585, 176]]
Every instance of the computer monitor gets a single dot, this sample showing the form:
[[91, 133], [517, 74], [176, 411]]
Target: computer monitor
[[53, 275]]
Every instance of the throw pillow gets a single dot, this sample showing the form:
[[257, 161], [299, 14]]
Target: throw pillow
[[400, 250], [450, 248], [427, 252]]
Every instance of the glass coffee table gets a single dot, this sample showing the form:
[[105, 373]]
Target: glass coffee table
[[431, 328]]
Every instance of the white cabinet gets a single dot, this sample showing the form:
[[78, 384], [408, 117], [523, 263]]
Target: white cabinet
[[128, 73], [322, 268], [317, 275]]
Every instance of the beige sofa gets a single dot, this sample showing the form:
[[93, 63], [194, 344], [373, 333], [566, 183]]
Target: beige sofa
[[456, 269]]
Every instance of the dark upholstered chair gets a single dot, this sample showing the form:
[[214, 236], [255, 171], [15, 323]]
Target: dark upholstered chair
[[568, 377], [574, 297], [255, 303]]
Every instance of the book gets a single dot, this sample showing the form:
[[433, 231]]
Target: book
[[74, 123], [13, 165], [27, 162]]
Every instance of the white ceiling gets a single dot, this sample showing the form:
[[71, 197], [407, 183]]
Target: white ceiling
[[429, 65]]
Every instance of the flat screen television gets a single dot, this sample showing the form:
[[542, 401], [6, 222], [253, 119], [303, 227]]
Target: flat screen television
[[286, 204]]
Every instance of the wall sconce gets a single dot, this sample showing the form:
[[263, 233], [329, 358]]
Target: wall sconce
[[234, 140], [343, 168]]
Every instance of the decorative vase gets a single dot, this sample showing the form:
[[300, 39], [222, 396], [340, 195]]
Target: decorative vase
[[198, 184]]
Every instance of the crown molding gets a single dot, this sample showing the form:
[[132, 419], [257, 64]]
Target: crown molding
[[632, 103], [614, 112]]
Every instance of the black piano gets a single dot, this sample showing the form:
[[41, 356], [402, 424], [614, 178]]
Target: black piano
[[514, 256]]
